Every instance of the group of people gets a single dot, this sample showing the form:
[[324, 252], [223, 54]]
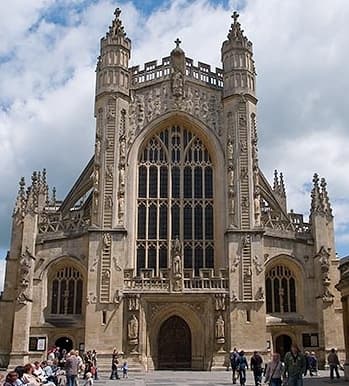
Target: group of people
[[289, 372], [61, 368]]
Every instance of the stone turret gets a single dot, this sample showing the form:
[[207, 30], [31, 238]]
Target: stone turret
[[238, 64], [243, 186], [112, 74], [106, 238]]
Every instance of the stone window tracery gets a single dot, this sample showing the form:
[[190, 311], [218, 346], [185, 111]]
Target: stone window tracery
[[175, 198], [280, 285], [66, 291]]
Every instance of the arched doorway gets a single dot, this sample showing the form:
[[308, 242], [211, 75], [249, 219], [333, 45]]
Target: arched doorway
[[283, 345], [64, 343], [174, 344]]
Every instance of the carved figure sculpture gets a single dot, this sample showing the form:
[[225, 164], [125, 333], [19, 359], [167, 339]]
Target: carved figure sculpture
[[220, 327], [132, 327], [177, 84]]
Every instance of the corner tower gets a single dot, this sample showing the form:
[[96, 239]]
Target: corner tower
[[244, 233], [107, 231]]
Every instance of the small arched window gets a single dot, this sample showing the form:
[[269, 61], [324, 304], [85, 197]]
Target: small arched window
[[280, 285], [66, 292]]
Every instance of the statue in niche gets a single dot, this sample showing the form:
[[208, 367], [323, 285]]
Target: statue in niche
[[231, 193], [132, 328], [196, 103], [190, 104], [220, 327], [231, 176], [177, 258], [98, 149], [257, 208], [177, 84], [140, 111], [204, 107], [121, 207], [122, 148], [150, 106], [122, 176], [95, 179], [230, 149], [95, 202]]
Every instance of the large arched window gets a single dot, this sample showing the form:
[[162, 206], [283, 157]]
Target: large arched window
[[66, 291], [175, 199], [280, 287]]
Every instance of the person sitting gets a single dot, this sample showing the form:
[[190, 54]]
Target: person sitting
[[30, 377], [11, 379]]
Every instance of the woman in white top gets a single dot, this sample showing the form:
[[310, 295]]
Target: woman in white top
[[274, 371]]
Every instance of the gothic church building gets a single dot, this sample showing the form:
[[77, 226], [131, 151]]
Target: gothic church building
[[172, 246]]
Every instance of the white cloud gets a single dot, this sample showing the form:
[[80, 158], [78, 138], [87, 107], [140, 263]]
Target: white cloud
[[47, 72]]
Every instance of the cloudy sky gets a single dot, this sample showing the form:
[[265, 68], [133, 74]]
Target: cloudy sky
[[47, 59]]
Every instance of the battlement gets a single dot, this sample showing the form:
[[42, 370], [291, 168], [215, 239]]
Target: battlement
[[153, 71]]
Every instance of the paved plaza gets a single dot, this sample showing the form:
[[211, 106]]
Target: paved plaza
[[194, 378]]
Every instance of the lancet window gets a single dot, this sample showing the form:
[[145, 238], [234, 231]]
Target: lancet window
[[66, 291], [280, 288], [175, 199]]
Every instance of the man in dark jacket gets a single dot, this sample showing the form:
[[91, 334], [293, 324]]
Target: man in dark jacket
[[71, 368], [234, 362], [294, 366], [256, 367]]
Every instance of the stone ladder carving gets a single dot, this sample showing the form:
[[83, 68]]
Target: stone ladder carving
[[109, 162], [246, 268], [244, 181], [105, 268]]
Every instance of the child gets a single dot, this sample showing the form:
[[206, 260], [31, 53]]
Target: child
[[125, 370], [88, 379]]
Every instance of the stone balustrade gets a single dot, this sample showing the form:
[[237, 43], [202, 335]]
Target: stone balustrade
[[153, 71]]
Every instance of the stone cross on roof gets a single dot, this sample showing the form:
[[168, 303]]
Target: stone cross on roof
[[178, 42], [117, 12], [235, 16]]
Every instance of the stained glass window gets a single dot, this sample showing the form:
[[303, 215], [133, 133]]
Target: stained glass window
[[175, 199]]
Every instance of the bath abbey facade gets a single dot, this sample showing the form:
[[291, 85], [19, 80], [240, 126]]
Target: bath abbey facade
[[172, 246]]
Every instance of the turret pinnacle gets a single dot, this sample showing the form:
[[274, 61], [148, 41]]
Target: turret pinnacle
[[325, 199], [20, 204], [316, 202], [276, 181], [236, 34], [279, 189], [116, 29], [238, 64]]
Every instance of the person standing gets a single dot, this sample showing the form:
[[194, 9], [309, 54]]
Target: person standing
[[72, 368], [274, 371], [94, 362], [234, 361], [294, 366], [333, 362], [114, 365], [256, 367], [125, 370], [313, 363], [242, 366]]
